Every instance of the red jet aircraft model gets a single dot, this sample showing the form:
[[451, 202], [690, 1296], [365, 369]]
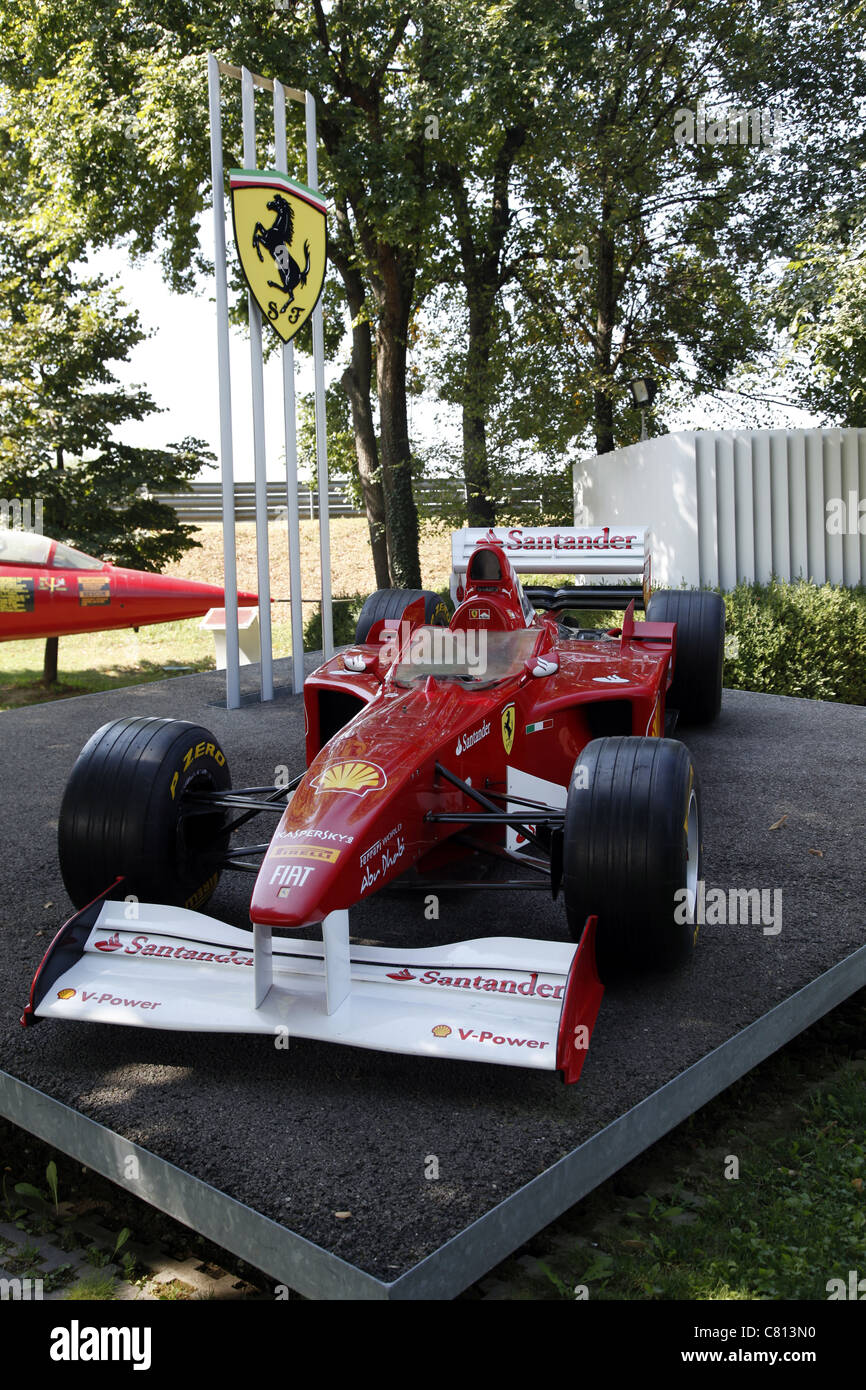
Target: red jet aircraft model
[[47, 589]]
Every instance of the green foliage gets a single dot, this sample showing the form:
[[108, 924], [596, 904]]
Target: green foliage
[[345, 611], [820, 304], [92, 1287], [51, 1179], [342, 459], [797, 639], [61, 404], [122, 1237]]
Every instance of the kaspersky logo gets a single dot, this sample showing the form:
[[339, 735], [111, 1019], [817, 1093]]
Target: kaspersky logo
[[467, 741]]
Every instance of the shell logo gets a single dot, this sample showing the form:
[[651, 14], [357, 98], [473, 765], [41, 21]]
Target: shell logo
[[65, 993], [351, 776], [441, 1030]]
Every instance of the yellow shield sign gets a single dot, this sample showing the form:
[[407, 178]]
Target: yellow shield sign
[[282, 239], [508, 726]]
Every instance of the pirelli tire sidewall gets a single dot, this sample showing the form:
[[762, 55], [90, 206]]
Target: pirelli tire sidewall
[[392, 603], [121, 813], [633, 805]]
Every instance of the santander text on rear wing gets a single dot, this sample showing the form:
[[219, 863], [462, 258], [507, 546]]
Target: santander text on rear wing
[[605, 555]]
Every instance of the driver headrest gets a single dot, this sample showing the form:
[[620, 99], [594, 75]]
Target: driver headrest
[[485, 566]]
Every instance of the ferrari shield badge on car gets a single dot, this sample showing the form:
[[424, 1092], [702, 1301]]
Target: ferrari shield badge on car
[[508, 727], [282, 240]]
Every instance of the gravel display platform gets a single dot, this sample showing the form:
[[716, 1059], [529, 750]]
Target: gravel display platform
[[380, 1160]]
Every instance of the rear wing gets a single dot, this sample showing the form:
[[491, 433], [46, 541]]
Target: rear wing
[[605, 554]]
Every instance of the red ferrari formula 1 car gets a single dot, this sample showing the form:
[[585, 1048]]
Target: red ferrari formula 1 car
[[502, 734]]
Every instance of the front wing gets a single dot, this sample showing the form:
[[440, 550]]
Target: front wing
[[499, 999]]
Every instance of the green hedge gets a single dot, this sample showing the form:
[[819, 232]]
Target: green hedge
[[797, 638], [345, 614]]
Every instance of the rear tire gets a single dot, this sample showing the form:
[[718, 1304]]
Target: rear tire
[[392, 603], [631, 846], [696, 691], [121, 814]]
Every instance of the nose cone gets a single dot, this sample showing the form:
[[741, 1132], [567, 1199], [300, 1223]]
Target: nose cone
[[160, 598], [297, 882]]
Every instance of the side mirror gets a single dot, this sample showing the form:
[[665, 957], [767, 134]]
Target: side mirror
[[357, 661], [543, 665]]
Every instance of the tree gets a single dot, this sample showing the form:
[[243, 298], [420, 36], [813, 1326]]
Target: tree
[[60, 405], [95, 72], [639, 240]]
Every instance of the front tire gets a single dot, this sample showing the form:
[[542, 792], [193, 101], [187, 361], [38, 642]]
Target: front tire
[[632, 852], [122, 814]]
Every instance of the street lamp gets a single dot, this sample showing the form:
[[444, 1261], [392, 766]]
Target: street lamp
[[643, 392]]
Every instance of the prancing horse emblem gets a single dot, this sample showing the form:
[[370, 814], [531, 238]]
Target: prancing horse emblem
[[277, 239], [281, 238], [508, 726]]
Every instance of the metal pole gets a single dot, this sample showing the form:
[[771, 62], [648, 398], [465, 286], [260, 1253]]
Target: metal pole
[[230, 577], [258, 391], [293, 506], [321, 440]]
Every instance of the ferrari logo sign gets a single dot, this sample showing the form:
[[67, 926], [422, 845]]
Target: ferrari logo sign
[[282, 241], [508, 726]]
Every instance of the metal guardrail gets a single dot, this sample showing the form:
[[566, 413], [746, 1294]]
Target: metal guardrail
[[204, 501]]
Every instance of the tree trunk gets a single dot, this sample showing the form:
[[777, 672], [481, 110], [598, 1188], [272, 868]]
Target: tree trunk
[[391, 344], [356, 381], [480, 508], [606, 305], [367, 452], [49, 665]]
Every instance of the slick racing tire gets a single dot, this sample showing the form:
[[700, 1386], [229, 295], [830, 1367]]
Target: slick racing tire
[[392, 603], [122, 814], [632, 852], [696, 691]]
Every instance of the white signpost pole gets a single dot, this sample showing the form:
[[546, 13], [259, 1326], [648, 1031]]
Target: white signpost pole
[[321, 438], [289, 414], [259, 454], [233, 672]]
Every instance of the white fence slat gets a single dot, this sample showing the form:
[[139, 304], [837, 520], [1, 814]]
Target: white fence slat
[[850, 495], [816, 529], [779, 493], [832, 473], [762, 496], [797, 504], [744, 507]]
